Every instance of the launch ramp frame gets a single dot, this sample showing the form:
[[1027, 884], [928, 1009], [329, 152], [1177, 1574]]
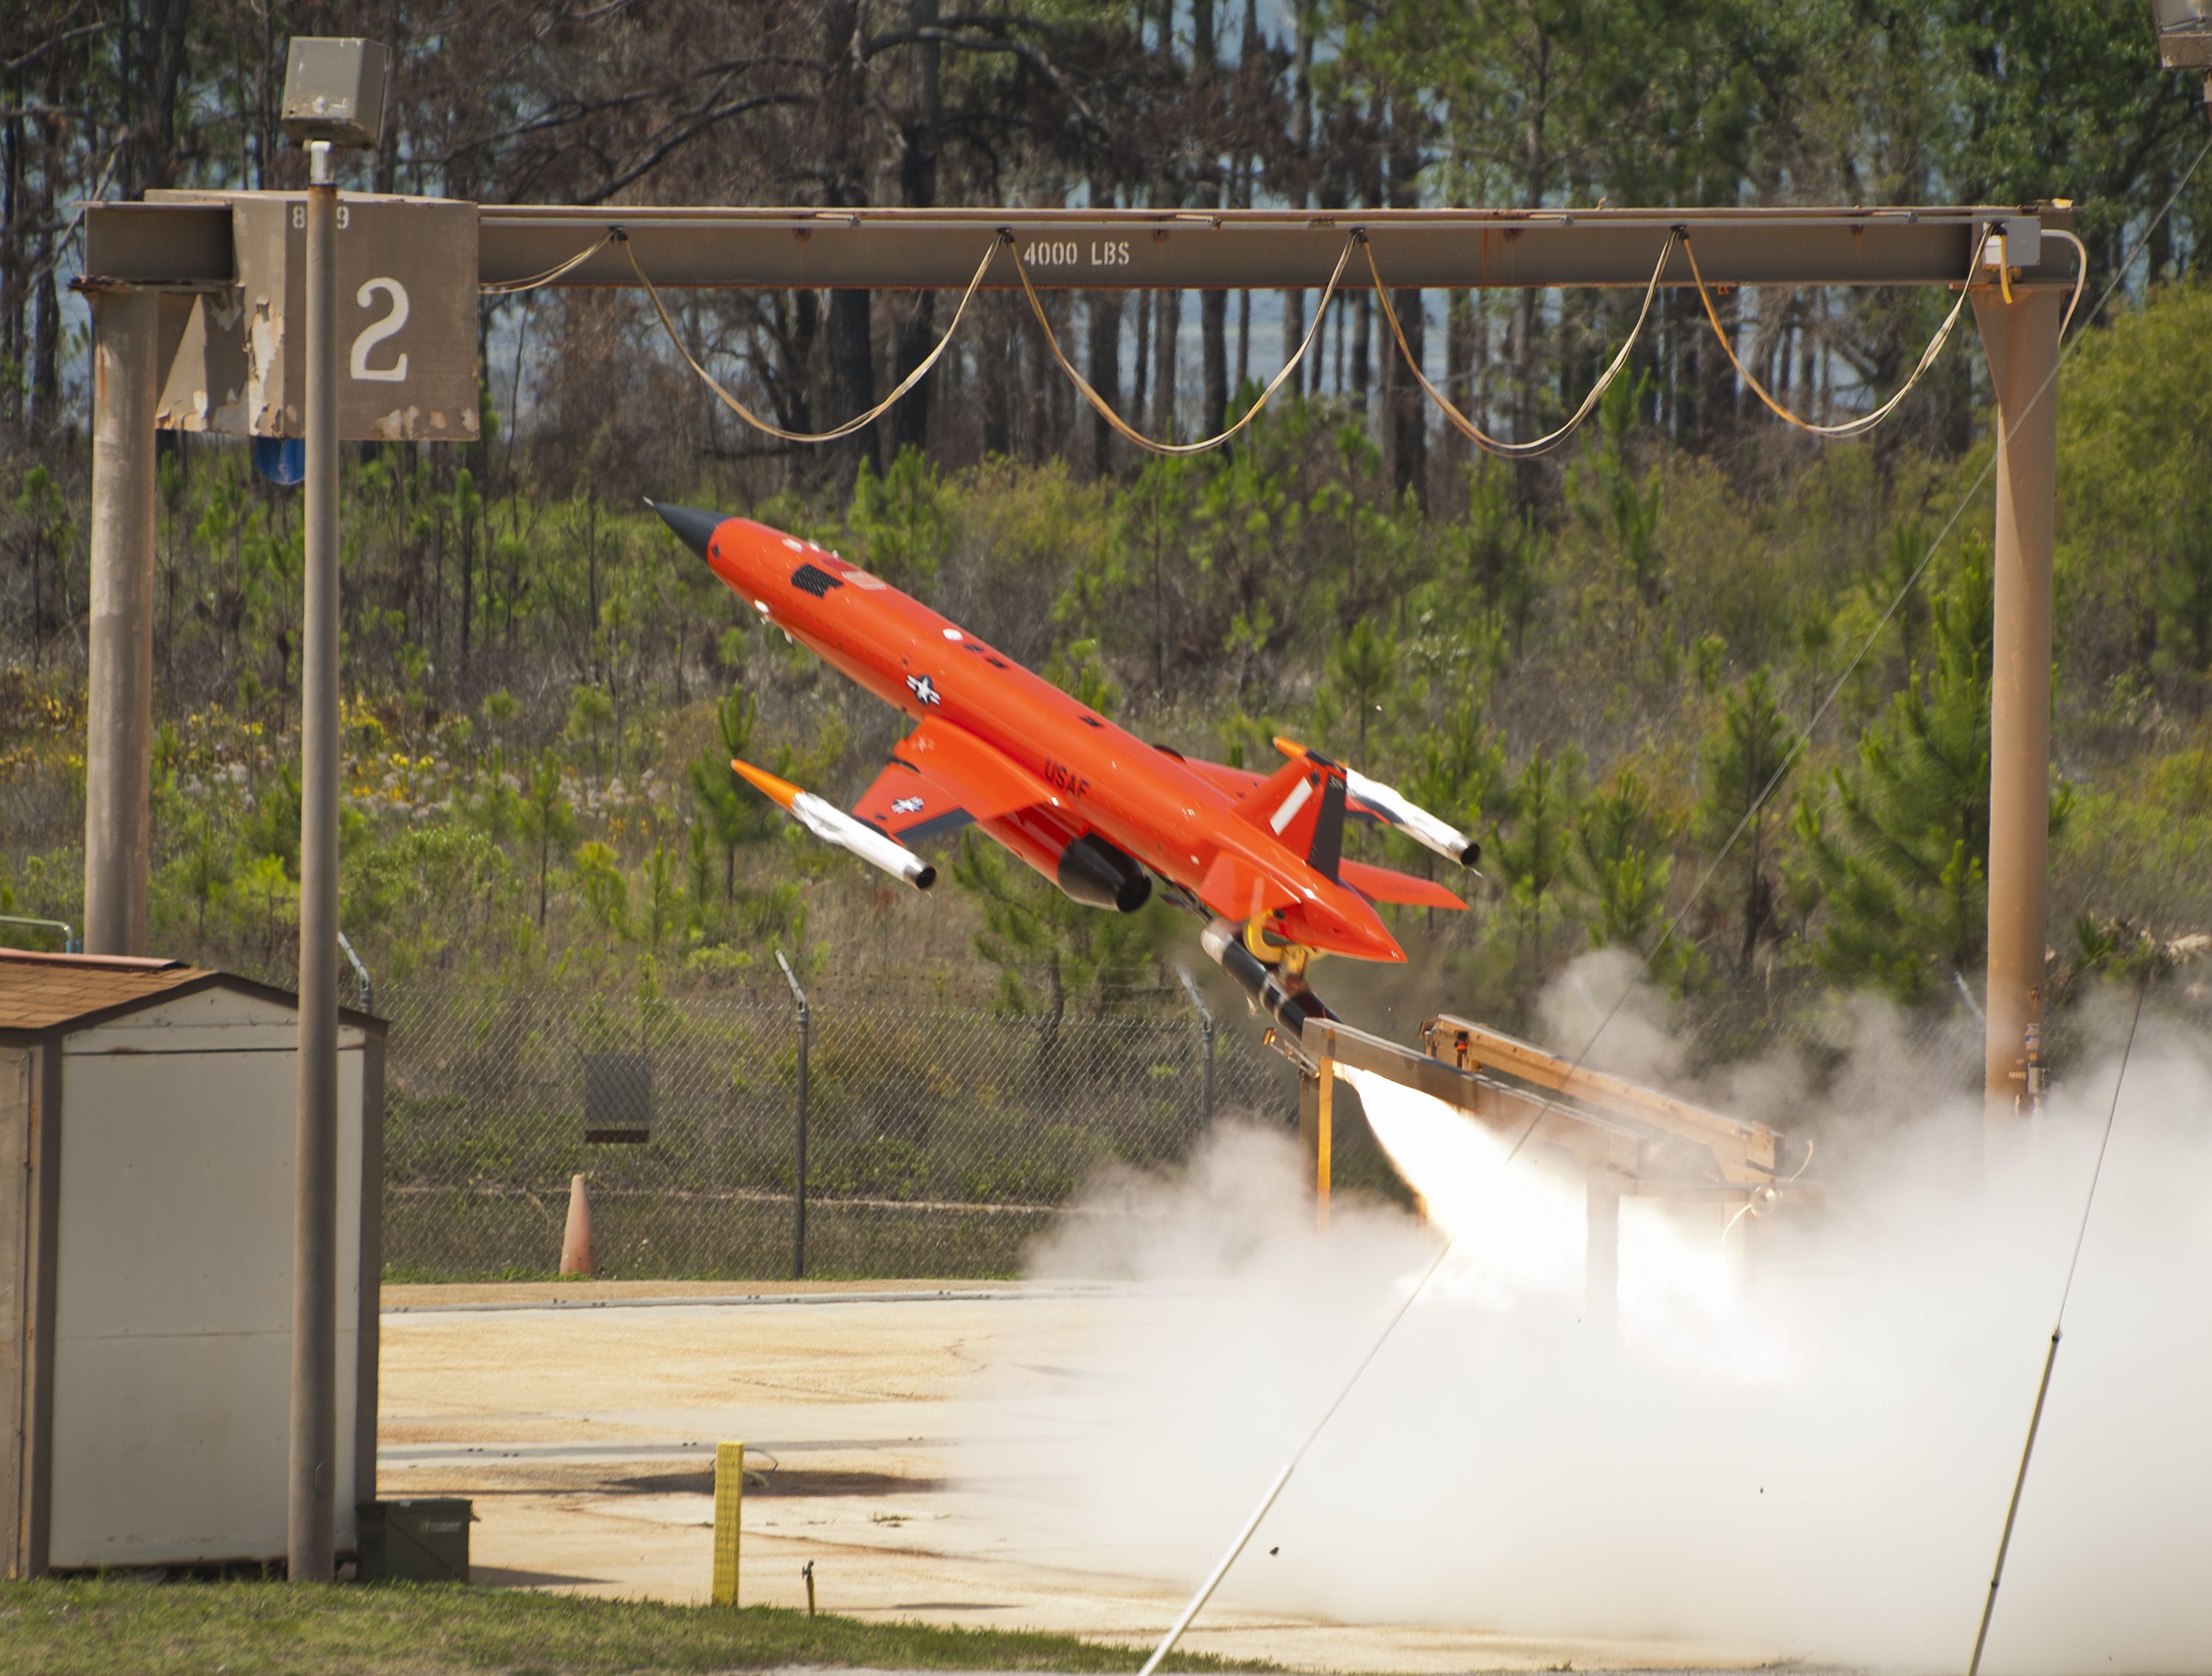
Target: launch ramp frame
[[1626, 1141]]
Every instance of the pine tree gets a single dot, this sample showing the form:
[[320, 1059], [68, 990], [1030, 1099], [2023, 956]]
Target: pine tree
[[1618, 501], [1458, 773], [1746, 755], [1363, 673], [734, 818], [2184, 602], [1031, 926], [1904, 875], [1535, 827], [1619, 861], [547, 819]]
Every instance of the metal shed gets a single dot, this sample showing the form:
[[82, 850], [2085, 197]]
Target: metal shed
[[147, 1113]]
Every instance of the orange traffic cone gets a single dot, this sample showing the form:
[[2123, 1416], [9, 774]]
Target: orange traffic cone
[[576, 1240]]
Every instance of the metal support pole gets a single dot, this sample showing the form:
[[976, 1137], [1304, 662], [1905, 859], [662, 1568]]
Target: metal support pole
[[1324, 1140], [2022, 340], [798, 1176], [119, 720], [1206, 1110], [367, 989], [1205, 1044], [313, 1504]]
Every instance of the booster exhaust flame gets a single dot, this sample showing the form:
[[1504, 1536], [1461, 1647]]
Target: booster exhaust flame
[[1801, 1458]]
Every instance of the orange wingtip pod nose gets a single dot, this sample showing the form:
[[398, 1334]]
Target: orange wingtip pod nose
[[768, 785], [1289, 747]]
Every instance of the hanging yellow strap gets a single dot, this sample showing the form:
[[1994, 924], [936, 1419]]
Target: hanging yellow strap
[[1467, 426], [514, 288], [1121, 426], [860, 421], [1865, 421]]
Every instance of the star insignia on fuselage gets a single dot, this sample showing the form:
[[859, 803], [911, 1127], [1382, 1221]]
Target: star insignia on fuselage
[[906, 806], [923, 689]]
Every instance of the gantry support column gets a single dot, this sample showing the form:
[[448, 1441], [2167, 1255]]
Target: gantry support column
[[119, 700], [2021, 339]]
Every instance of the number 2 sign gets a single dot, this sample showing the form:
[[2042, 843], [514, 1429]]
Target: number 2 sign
[[371, 336], [406, 316]]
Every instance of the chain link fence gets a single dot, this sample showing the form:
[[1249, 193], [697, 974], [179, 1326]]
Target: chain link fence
[[938, 1141], [935, 1137]]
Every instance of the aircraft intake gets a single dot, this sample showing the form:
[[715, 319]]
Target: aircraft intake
[[1223, 943], [1084, 866]]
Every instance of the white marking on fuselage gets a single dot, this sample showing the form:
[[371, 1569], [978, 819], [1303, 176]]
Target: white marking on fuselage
[[1291, 804]]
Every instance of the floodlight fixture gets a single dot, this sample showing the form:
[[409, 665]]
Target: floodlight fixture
[[334, 91], [2184, 38]]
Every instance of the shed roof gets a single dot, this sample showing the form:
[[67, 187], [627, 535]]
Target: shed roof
[[41, 992]]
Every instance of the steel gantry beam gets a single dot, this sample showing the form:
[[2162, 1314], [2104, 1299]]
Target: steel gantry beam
[[2016, 259], [184, 241]]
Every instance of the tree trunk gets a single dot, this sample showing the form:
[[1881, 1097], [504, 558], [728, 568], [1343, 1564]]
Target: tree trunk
[[1409, 412], [153, 65], [1163, 363], [12, 291], [1306, 378], [1459, 373], [1105, 371], [1214, 303], [1535, 172], [917, 312], [1141, 368], [851, 356]]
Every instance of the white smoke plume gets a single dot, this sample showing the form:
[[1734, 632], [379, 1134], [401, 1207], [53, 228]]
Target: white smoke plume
[[1806, 1460]]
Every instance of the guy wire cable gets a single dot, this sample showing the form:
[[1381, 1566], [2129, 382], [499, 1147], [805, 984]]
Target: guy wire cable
[[858, 422], [2057, 1331], [1275, 1488], [1121, 427], [1542, 445]]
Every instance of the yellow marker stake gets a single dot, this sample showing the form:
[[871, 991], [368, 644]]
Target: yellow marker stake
[[729, 1503], [1322, 1146]]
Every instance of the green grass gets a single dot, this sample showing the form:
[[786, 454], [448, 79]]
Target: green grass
[[107, 1625]]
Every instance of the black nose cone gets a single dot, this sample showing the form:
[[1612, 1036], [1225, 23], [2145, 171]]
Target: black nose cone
[[694, 528]]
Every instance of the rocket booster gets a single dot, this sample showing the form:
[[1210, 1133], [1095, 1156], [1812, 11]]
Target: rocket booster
[[1223, 943], [831, 825]]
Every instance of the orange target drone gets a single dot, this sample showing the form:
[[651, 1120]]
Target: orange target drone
[[1096, 809]]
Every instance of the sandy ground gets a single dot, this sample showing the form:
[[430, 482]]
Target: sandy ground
[[582, 1420]]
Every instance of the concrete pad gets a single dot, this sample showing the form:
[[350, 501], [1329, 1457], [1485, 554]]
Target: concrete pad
[[585, 1437]]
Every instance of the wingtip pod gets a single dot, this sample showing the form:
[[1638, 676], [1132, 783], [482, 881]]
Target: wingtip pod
[[777, 791], [831, 825]]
